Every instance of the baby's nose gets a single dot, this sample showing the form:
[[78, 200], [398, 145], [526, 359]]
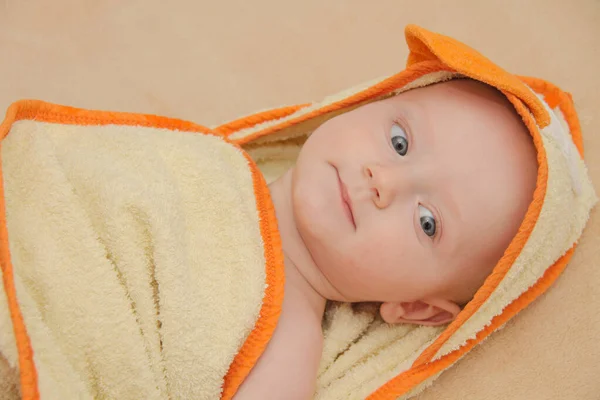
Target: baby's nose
[[385, 183]]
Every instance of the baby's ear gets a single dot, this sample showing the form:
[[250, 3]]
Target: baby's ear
[[430, 312]]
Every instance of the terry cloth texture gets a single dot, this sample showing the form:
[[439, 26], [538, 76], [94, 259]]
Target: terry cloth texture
[[141, 261]]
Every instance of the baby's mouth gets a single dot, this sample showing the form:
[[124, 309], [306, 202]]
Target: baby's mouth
[[346, 201]]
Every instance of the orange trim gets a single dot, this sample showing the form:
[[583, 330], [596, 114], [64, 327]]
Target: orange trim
[[555, 97], [36, 110], [258, 118], [379, 89], [416, 375], [273, 298], [425, 46], [27, 371], [271, 309]]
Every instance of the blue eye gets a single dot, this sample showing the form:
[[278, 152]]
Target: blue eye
[[427, 221], [399, 140]]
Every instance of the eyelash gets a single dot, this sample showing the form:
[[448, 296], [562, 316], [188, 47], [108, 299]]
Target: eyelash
[[438, 222], [407, 131]]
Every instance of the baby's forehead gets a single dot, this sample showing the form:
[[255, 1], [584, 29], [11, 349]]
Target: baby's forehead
[[479, 153], [454, 95]]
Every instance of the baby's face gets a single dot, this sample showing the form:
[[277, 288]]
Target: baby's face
[[417, 196]]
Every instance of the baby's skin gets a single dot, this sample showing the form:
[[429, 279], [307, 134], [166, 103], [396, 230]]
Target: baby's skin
[[407, 202]]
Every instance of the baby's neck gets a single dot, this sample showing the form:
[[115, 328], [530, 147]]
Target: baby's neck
[[299, 290], [301, 274]]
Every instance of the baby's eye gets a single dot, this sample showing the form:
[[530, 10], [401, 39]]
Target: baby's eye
[[399, 140], [427, 221]]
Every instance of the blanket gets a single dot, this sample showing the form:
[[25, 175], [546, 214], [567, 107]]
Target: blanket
[[141, 261]]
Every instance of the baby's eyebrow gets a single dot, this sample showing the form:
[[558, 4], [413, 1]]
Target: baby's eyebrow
[[415, 117], [448, 207]]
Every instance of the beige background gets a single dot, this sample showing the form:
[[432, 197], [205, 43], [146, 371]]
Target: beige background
[[211, 61]]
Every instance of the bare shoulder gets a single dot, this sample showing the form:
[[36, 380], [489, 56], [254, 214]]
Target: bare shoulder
[[288, 367]]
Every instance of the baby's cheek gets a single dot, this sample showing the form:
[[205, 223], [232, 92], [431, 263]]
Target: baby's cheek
[[373, 258]]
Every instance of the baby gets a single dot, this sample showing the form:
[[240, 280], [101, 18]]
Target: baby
[[408, 202]]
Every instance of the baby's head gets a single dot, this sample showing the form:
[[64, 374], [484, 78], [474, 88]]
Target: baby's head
[[437, 180]]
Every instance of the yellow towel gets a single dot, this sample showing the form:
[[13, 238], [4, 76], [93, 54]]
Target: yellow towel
[[362, 357], [139, 257]]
